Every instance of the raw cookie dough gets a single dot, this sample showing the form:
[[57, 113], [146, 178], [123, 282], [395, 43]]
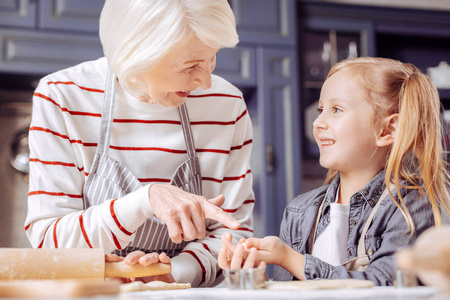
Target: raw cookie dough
[[319, 284], [152, 285]]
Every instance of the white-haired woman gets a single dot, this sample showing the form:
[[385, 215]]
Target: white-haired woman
[[144, 152]]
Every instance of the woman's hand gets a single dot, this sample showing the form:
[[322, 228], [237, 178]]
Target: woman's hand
[[185, 213], [145, 260]]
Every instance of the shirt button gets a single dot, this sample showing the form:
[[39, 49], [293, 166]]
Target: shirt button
[[370, 251], [366, 192], [353, 222], [349, 253], [358, 197], [371, 202]]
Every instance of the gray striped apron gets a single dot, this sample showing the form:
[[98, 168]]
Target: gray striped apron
[[108, 179]]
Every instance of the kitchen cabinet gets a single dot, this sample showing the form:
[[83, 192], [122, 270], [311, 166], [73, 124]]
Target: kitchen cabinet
[[41, 53], [42, 36], [59, 15], [326, 30], [20, 13], [269, 22]]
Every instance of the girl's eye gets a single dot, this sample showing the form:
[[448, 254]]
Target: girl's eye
[[320, 110], [336, 109]]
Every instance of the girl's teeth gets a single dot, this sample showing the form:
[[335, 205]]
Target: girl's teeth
[[327, 143]]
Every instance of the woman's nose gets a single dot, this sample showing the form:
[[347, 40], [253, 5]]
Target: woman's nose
[[203, 78]]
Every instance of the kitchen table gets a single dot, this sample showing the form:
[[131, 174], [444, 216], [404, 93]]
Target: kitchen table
[[375, 293]]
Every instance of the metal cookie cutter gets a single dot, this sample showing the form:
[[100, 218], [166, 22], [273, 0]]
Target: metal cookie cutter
[[245, 278]]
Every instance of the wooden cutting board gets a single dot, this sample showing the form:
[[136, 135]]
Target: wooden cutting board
[[58, 288]]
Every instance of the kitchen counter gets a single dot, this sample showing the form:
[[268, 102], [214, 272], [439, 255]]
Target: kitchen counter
[[391, 293]]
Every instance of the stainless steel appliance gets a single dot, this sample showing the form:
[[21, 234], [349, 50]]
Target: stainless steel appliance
[[15, 115]]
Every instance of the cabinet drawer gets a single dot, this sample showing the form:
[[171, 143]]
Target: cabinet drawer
[[237, 65], [41, 53]]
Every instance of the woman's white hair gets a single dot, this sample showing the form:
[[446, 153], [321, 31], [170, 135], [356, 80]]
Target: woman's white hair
[[137, 34]]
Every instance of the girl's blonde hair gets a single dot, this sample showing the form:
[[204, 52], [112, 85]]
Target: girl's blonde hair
[[417, 154], [137, 34]]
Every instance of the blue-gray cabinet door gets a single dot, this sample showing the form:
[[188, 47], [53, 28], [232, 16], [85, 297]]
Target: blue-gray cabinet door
[[17, 13], [74, 15], [265, 21], [278, 111]]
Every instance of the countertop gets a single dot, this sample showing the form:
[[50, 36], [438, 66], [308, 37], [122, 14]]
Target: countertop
[[418, 293]]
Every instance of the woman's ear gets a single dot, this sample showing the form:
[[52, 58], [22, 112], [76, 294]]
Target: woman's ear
[[388, 132]]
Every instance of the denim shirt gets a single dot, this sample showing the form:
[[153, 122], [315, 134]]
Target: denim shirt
[[387, 233]]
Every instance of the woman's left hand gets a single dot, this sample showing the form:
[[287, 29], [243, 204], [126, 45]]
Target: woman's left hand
[[139, 257]]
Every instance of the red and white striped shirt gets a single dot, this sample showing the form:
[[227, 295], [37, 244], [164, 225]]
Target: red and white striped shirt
[[148, 140]]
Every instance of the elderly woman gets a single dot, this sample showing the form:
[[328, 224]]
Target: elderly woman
[[145, 151]]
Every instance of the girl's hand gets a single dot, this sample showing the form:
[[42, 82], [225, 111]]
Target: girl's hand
[[145, 260], [232, 257], [270, 249]]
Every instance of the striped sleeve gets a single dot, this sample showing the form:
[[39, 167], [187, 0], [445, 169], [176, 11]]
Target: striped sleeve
[[62, 140]]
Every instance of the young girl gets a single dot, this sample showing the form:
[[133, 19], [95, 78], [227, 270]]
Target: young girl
[[379, 134]]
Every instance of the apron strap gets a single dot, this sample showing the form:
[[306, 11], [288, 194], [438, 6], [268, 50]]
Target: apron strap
[[362, 238], [107, 114], [187, 131], [105, 127], [312, 234]]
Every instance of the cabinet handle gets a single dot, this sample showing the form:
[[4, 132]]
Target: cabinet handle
[[269, 158]]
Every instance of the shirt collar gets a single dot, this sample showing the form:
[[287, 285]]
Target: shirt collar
[[370, 193]]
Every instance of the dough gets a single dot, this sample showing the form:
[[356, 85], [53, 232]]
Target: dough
[[152, 285], [319, 284]]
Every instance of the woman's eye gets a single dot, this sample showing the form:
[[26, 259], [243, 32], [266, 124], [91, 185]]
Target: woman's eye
[[320, 110], [190, 68]]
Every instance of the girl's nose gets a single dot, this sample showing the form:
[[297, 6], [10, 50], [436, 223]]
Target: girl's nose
[[319, 122]]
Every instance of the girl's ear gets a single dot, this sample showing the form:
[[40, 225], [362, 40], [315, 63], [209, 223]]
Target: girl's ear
[[388, 131]]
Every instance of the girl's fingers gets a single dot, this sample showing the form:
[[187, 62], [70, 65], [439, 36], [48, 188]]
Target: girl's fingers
[[251, 259], [226, 242], [222, 259], [238, 257]]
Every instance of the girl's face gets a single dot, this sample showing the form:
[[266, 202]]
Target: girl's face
[[343, 130], [188, 66]]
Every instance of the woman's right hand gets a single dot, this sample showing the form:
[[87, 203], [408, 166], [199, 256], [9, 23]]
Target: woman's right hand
[[185, 213]]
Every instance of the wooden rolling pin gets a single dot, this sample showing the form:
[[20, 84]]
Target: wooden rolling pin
[[24, 263], [429, 258]]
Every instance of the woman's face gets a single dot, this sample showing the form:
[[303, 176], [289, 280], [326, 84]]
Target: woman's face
[[343, 130], [188, 66]]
